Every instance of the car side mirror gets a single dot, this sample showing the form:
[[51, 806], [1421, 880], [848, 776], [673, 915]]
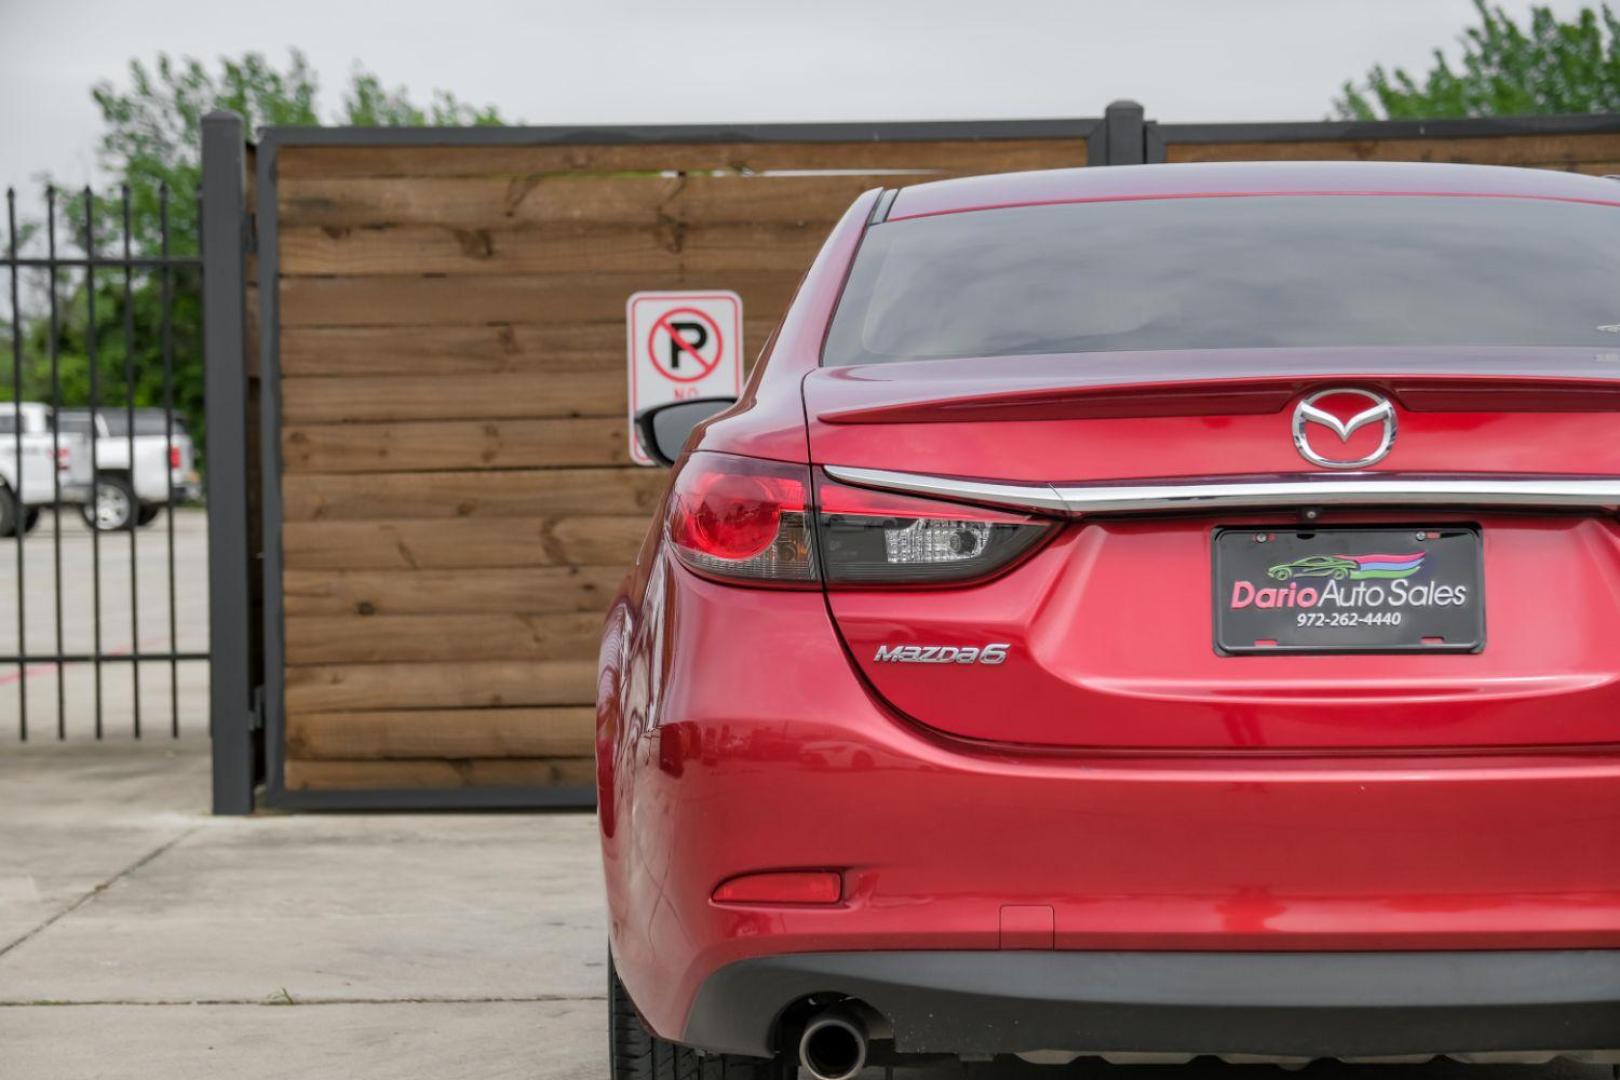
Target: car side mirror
[[663, 429]]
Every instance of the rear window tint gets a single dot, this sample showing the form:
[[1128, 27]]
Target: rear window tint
[[1218, 273], [115, 424], [146, 423]]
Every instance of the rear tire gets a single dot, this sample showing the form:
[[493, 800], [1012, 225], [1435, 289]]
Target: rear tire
[[8, 512], [148, 514], [113, 508], [636, 1053], [31, 518]]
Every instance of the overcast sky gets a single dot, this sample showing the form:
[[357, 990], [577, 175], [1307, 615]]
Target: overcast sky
[[639, 61]]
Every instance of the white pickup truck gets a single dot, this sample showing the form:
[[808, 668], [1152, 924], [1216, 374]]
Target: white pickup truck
[[36, 466], [137, 474]]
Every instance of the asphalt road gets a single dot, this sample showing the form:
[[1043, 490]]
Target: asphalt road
[[127, 621]]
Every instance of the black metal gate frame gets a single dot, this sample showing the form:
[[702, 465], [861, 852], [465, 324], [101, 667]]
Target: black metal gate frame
[[1122, 136], [227, 238], [164, 264]]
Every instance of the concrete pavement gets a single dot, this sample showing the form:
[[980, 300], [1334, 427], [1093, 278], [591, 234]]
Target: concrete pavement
[[129, 618], [140, 939]]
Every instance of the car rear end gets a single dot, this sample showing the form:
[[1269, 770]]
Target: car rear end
[[163, 468], [178, 455], [1187, 625]]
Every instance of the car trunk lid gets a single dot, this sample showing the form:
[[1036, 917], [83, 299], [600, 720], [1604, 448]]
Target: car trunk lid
[[1110, 635]]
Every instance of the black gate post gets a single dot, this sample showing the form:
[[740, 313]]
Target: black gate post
[[224, 245], [1122, 137]]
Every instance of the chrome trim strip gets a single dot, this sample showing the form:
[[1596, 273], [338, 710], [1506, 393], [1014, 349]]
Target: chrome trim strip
[[1043, 497], [1341, 489]]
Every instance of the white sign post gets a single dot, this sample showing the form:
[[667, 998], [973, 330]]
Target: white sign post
[[682, 345]]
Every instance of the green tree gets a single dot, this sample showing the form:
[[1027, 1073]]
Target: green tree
[[1506, 69], [152, 142]]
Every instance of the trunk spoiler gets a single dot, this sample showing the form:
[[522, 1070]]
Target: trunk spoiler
[[1235, 382], [1287, 491]]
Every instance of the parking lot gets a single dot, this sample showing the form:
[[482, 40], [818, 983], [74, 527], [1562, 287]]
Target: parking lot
[[125, 627]]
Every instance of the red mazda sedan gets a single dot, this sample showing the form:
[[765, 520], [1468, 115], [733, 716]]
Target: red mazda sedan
[[1138, 612]]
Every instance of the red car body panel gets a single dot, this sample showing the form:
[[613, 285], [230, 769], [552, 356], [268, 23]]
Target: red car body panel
[[1152, 794], [1110, 628], [936, 836]]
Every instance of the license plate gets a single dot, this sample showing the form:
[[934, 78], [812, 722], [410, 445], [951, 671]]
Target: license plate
[[1349, 590]]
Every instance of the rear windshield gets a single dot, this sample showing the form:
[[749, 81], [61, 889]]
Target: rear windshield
[[1228, 273], [116, 424], [146, 423]]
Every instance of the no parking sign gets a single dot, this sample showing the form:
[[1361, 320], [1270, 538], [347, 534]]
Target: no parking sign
[[682, 345]]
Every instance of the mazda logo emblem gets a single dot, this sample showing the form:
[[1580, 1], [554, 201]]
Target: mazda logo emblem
[[1307, 414]]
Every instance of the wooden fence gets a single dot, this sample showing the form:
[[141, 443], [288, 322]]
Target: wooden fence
[[448, 503], [456, 500]]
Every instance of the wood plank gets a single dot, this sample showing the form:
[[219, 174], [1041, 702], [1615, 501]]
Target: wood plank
[[380, 300], [507, 493], [385, 775], [465, 684], [439, 545], [563, 247], [953, 155], [468, 350], [1532, 150], [331, 400], [428, 592], [372, 639], [645, 201], [250, 330], [442, 445], [443, 733]]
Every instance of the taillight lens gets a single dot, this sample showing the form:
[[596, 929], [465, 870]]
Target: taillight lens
[[750, 521], [64, 459], [743, 519], [879, 538], [174, 457]]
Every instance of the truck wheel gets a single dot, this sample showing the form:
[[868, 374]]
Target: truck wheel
[[148, 514], [114, 508], [31, 519], [637, 1054], [8, 512]]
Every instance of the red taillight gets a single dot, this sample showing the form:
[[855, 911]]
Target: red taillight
[[880, 538], [64, 459], [743, 519], [783, 887], [174, 457], [746, 520]]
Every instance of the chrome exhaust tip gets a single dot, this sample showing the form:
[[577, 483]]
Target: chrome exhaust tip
[[833, 1046]]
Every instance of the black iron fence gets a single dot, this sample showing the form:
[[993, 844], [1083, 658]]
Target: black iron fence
[[100, 482]]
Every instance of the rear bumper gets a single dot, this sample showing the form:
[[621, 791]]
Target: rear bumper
[[154, 491], [1307, 1005], [771, 754]]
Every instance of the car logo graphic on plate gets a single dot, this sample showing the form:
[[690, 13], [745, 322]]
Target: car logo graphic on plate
[[1307, 413], [1352, 567]]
